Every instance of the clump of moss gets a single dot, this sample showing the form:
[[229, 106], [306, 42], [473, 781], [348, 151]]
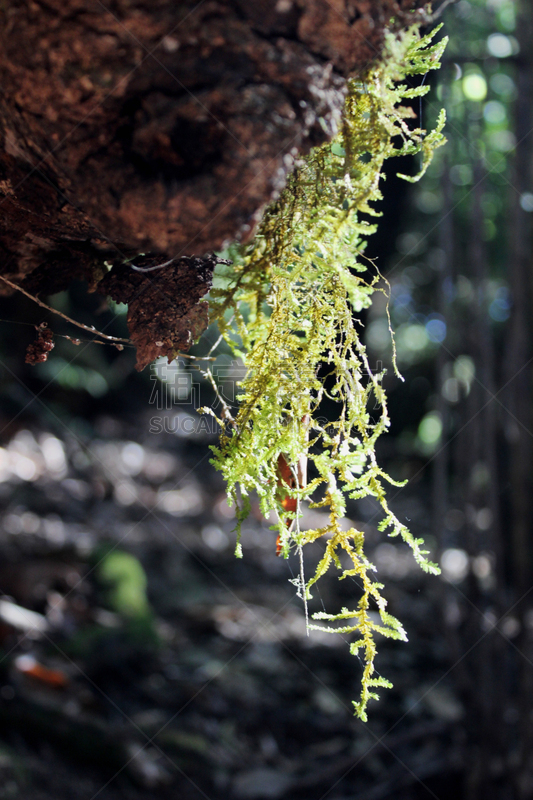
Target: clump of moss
[[286, 308]]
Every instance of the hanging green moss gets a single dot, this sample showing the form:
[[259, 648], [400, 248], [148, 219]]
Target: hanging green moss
[[287, 307]]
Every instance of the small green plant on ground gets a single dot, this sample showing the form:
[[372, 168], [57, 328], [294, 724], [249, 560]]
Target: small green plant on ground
[[288, 308]]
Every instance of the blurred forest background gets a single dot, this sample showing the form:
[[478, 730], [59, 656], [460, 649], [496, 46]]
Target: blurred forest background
[[141, 660]]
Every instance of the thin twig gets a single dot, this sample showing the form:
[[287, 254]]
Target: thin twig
[[159, 266], [196, 358], [90, 329], [77, 341], [226, 413], [72, 339], [435, 16]]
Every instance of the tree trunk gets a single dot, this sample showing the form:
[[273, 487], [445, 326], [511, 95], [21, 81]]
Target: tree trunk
[[518, 399], [163, 127]]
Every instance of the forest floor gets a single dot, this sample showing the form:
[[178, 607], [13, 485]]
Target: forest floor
[[201, 683]]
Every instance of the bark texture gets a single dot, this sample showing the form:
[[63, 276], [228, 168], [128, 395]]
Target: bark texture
[[162, 127]]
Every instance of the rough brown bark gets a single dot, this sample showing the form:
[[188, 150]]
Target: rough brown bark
[[163, 127]]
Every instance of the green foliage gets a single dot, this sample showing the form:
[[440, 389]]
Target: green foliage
[[286, 308], [124, 574]]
